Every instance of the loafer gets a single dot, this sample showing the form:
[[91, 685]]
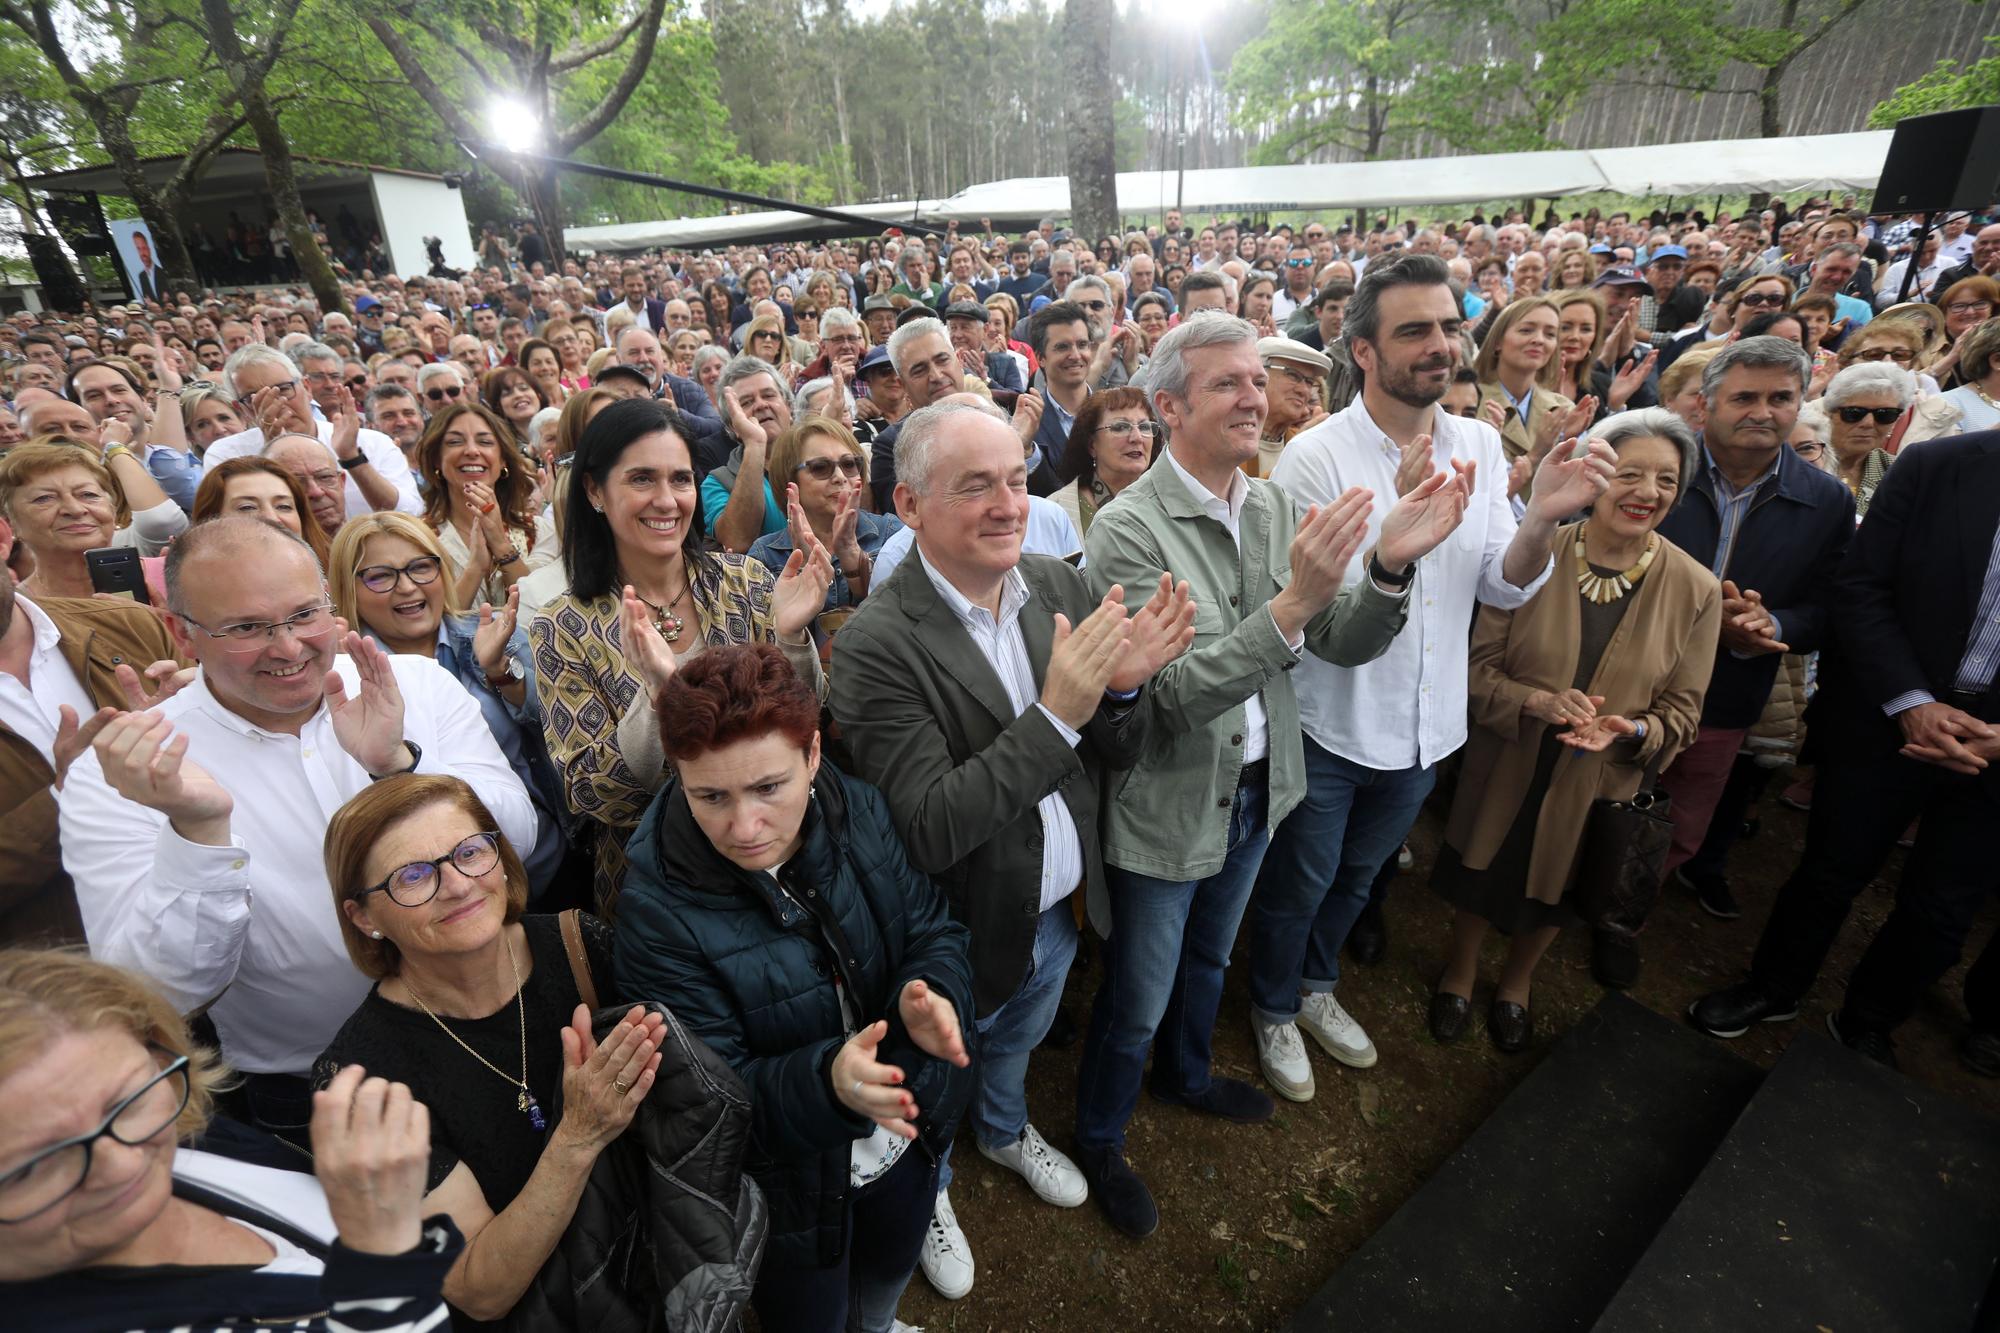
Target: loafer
[[1733, 1012], [1871, 1042], [1712, 892], [1980, 1052], [1127, 1203], [1368, 940], [1511, 1026], [1228, 1098], [1614, 960], [1448, 1015]]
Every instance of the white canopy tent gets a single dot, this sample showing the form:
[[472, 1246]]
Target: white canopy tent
[[1849, 162]]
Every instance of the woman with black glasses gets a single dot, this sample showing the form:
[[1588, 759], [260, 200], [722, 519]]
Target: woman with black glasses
[[1863, 403], [826, 471], [107, 1221]]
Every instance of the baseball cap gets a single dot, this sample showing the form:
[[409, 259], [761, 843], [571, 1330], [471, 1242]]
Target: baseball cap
[[1668, 252], [875, 358], [1620, 275], [363, 304], [1601, 249]]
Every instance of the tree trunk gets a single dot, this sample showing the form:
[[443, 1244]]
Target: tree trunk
[[281, 174], [541, 190], [162, 214], [1087, 116]]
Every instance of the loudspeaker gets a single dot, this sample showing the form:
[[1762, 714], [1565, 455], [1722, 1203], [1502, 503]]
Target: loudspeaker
[[1950, 160]]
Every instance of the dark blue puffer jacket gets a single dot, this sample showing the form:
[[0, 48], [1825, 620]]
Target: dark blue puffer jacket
[[752, 973]]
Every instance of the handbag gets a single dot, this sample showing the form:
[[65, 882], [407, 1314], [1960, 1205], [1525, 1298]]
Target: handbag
[[579, 961], [1624, 856]]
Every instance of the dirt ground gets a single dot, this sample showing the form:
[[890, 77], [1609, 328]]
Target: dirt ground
[[1253, 1219]]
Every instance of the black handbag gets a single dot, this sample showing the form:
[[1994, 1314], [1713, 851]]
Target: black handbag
[[1623, 857]]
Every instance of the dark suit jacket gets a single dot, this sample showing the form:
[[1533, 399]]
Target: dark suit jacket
[[1944, 283], [1908, 591], [927, 720]]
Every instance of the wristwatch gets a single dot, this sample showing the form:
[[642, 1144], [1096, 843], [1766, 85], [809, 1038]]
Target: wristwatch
[[510, 671], [114, 451], [1382, 576], [416, 757], [359, 460]]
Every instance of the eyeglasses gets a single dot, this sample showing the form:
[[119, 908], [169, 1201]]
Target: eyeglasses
[[283, 388], [1884, 416], [1900, 355], [59, 1170], [415, 884], [252, 635], [1761, 298], [439, 395], [821, 469], [1095, 307], [1292, 372], [1809, 449], [1968, 307], [1125, 429], [381, 578]]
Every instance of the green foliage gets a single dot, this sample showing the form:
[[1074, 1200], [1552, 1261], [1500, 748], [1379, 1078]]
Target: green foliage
[[1946, 88]]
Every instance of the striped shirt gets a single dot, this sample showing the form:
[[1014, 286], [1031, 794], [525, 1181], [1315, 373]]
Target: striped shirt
[[1982, 647]]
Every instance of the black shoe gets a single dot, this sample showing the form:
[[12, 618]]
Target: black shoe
[[1062, 1033], [1511, 1026], [1871, 1042], [1127, 1203], [1229, 1098], [1980, 1052], [1614, 960], [1712, 892], [1369, 939], [1448, 1015], [1732, 1012]]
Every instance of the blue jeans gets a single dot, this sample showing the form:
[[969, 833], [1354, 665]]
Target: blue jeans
[[1163, 969], [1323, 862], [886, 1222], [1007, 1035]]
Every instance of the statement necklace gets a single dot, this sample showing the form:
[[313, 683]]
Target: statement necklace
[[525, 1102], [664, 620], [1602, 590]]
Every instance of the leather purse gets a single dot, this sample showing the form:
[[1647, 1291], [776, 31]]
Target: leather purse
[[1623, 857]]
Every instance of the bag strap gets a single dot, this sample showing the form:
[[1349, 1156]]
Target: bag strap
[[579, 961]]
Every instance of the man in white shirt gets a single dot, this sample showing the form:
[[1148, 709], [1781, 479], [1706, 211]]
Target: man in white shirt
[[270, 391], [1374, 732], [194, 831]]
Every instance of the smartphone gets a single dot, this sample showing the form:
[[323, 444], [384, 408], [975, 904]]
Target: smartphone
[[115, 569]]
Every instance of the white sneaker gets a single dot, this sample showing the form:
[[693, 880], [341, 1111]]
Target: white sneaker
[[1052, 1176], [1406, 860], [946, 1259], [1283, 1057], [1336, 1031], [900, 1327]]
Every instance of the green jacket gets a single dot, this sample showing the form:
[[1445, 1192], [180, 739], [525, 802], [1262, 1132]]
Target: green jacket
[[1168, 816]]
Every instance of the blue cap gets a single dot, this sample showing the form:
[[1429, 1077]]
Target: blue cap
[[1667, 252], [1602, 249], [874, 358], [363, 304]]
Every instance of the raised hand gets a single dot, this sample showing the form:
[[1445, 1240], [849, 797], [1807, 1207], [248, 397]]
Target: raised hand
[[1494, 413], [368, 726], [371, 1142], [1324, 546], [604, 1084], [1028, 408], [74, 737], [346, 442], [144, 761], [800, 594], [275, 412], [646, 650], [1161, 631], [1627, 381], [166, 374], [1423, 519], [1565, 483], [846, 533], [971, 362], [496, 631], [1085, 659], [932, 1023], [870, 1088], [1415, 465], [166, 676], [741, 424]]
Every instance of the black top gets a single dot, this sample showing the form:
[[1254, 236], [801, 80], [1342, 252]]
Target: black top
[[474, 1115]]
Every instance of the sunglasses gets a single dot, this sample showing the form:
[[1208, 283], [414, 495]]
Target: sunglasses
[[439, 395], [1298, 263], [1884, 416], [1761, 299], [356, 381], [1900, 355], [821, 469]]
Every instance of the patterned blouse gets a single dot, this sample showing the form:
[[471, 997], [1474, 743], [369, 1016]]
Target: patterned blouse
[[603, 735]]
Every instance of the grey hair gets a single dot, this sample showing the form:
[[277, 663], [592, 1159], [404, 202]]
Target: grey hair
[[909, 333], [801, 401], [1848, 248], [1166, 370], [837, 317], [745, 367], [314, 351], [434, 370], [547, 416], [380, 394], [1761, 351], [272, 445], [1088, 280], [916, 441], [706, 353], [192, 399], [1644, 423], [254, 354], [1864, 379], [1064, 256]]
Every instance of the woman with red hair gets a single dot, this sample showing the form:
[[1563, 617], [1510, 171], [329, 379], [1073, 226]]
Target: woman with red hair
[[770, 905]]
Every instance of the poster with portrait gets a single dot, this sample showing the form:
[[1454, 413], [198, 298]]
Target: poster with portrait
[[145, 280]]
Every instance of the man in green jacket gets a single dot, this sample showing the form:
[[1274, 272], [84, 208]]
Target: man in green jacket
[[1186, 829]]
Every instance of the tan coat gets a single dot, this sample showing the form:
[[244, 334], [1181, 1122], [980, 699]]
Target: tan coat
[[1656, 667], [1517, 436]]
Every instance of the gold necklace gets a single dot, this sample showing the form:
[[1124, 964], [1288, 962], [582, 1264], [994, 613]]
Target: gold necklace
[[525, 1102], [1984, 397], [1602, 590]]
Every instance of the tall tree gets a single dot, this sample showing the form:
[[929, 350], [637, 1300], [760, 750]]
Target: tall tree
[[1947, 87], [507, 49], [1089, 126]]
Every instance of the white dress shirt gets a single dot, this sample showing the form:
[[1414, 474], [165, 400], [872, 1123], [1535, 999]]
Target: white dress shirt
[[1229, 513], [377, 447], [32, 710], [1001, 643], [255, 922], [1407, 707]]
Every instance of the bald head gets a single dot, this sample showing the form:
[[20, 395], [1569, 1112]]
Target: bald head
[[222, 553], [319, 476]]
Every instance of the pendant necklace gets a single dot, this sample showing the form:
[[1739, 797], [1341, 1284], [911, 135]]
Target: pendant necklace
[[525, 1101], [1602, 589], [665, 621]]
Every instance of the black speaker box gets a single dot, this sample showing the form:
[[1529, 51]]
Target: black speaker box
[[1950, 160]]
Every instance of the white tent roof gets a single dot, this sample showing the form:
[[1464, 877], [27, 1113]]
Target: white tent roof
[[1719, 166]]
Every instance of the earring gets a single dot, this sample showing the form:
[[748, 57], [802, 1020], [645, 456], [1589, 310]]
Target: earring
[[599, 508], [376, 934]]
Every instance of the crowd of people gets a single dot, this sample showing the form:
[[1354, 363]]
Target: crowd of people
[[604, 769]]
